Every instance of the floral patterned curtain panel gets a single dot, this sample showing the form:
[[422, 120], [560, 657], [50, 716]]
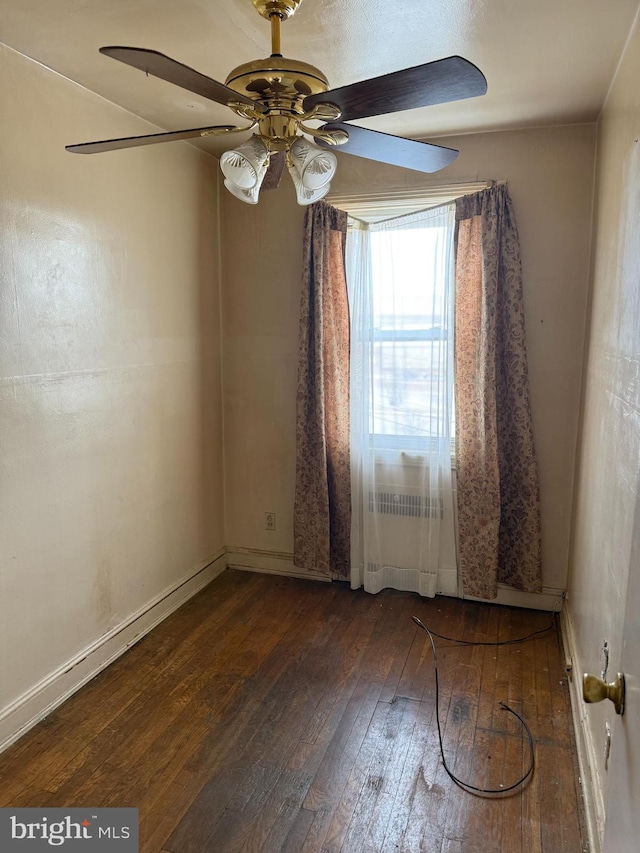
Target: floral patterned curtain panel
[[322, 510], [498, 493]]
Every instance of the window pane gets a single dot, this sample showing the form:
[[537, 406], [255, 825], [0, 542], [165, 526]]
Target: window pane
[[409, 388], [410, 335]]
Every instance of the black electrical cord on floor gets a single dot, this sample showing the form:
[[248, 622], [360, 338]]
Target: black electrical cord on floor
[[466, 786], [530, 636]]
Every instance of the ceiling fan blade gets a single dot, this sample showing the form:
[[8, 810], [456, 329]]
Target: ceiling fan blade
[[159, 65], [150, 139], [274, 172], [450, 79], [395, 150]]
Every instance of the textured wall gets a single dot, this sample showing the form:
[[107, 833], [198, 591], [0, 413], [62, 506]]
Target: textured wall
[[110, 401], [550, 175]]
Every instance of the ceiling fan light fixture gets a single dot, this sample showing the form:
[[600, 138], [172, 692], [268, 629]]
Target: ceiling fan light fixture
[[280, 96], [244, 167], [315, 166]]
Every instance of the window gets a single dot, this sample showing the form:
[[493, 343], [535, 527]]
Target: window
[[400, 279]]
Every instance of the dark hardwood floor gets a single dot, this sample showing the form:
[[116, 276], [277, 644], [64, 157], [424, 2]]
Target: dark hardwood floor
[[272, 714]]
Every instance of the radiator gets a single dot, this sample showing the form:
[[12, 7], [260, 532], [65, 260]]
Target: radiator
[[396, 553], [406, 505]]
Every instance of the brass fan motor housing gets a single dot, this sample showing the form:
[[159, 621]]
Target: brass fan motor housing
[[277, 82], [279, 86]]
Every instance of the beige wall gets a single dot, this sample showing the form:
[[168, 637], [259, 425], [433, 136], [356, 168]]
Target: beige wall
[[608, 489], [550, 175], [262, 262], [110, 393]]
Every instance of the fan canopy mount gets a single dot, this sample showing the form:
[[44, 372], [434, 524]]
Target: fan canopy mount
[[283, 9]]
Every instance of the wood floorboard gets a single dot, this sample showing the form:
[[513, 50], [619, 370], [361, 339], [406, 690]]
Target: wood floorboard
[[413, 776], [296, 833], [275, 715]]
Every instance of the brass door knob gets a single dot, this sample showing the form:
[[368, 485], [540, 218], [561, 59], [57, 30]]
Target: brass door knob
[[594, 689]]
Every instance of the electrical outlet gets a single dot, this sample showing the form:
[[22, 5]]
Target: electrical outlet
[[568, 668], [269, 521]]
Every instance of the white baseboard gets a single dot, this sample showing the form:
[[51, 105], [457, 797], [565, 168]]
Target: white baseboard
[[549, 599], [34, 705], [585, 746], [269, 562], [281, 563]]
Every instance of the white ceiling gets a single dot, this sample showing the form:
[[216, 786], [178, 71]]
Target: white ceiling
[[546, 61]]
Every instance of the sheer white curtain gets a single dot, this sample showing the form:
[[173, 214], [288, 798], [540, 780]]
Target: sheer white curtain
[[400, 276]]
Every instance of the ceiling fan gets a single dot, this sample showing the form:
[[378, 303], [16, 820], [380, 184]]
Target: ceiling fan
[[280, 96]]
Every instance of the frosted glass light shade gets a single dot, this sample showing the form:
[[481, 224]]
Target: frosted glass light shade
[[245, 166], [249, 196], [304, 195], [316, 167]]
